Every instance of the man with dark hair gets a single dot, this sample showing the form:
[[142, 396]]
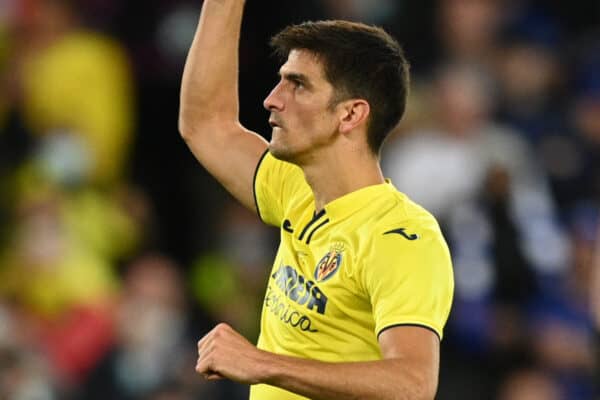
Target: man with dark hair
[[362, 284], [359, 61]]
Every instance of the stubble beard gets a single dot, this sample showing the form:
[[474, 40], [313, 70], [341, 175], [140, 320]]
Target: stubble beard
[[277, 146], [280, 152]]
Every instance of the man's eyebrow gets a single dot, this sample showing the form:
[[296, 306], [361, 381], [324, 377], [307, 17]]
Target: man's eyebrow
[[295, 77]]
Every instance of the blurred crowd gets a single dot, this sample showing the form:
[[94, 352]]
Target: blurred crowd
[[118, 251]]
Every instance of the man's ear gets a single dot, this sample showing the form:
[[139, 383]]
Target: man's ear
[[354, 113]]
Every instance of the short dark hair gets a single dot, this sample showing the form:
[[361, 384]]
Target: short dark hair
[[360, 61]]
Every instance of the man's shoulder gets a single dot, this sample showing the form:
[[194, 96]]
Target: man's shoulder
[[396, 221], [395, 209]]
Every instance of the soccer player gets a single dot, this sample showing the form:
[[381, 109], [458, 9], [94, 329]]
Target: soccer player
[[362, 284]]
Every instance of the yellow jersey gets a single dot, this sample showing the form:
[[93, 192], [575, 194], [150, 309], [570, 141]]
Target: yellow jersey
[[369, 260]]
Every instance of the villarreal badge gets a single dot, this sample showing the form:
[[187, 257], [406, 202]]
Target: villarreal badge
[[330, 263]]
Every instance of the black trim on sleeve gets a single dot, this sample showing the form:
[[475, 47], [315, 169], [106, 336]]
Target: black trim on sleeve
[[254, 184], [410, 324]]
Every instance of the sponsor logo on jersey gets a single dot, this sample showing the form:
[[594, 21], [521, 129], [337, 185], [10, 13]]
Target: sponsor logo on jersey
[[299, 289], [286, 313], [330, 263]]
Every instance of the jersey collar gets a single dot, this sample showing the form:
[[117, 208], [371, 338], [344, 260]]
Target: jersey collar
[[350, 203]]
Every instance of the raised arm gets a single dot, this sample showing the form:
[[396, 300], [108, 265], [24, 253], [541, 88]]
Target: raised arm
[[209, 106]]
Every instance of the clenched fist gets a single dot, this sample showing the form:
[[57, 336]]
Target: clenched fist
[[224, 353]]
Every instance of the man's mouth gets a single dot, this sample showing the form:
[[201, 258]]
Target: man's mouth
[[274, 123]]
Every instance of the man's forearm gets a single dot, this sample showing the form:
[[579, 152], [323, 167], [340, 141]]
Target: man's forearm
[[382, 379], [209, 85], [409, 372]]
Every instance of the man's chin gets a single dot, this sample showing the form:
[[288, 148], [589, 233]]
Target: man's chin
[[280, 153]]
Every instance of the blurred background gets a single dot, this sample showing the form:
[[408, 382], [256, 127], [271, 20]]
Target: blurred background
[[118, 251]]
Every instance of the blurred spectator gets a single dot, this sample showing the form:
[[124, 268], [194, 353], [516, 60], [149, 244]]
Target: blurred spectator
[[586, 120], [529, 384], [480, 180], [461, 147], [568, 144], [73, 90], [468, 30], [58, 269], [69, 104], [155, 346], [531, 77], [560, 319], [595, 302]]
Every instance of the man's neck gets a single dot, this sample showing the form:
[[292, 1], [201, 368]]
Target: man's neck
[[341, 173]]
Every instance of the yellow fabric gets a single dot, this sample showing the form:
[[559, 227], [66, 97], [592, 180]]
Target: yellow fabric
[[384, 262], [82, 84]]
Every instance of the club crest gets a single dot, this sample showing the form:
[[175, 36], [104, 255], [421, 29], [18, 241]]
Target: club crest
[[330, 263]]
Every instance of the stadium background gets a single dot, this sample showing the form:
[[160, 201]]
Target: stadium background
[[117, 251]]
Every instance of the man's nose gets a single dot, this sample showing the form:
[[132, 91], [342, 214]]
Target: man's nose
[[274, 101]]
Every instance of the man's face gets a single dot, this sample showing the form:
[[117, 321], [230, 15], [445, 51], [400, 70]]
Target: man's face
[[303, 121]]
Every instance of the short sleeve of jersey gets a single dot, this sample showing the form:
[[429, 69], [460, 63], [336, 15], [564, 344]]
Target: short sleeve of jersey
[[409, 282], [275, 185]]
